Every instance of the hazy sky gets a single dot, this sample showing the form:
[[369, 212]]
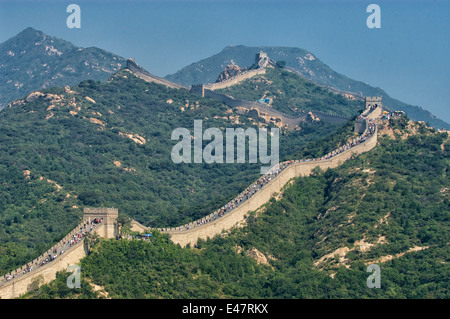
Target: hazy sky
[[408, 56]]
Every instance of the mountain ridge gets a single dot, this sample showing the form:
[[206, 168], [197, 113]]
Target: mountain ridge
[[33, 60], [206, 71]]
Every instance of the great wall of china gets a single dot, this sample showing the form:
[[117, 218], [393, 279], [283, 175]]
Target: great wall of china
[[190, 233], [208, 90], [147, 76], [108, 228]]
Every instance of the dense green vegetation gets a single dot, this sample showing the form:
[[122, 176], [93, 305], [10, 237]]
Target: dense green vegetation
[[398, 192], [65, 139], [33, 60], [291, 94], [66, 150], [207, 70]]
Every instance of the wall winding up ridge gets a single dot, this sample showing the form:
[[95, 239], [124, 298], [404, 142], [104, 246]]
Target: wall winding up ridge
[[20, 285], [208, 90], [235, 79], [143, 74], [181, 235]]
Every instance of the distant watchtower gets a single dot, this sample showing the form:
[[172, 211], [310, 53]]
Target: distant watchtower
[[374, 107], [373, 101], [261, 59], [109, 215], [198, 89]]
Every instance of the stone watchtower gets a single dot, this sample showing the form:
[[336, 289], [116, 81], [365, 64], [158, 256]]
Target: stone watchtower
[[261, 59], [374, 105], [374, 101], [109, 215], [198, 89]]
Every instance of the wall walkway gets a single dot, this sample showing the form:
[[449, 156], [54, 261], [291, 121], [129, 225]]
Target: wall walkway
[[190, 233], [72, 254]]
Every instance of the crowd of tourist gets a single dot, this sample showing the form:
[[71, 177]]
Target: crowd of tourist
[[56, 251], [361, 139], [274, 171]]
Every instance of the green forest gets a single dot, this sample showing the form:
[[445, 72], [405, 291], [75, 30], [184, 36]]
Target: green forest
[[292, 94], [67, 149], [398, 192], [32, 60]]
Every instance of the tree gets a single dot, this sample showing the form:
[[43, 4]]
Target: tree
[[121, 222], [90, 240], [35, 283]]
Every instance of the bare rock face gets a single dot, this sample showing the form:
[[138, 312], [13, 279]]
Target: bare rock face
[[312, 118], [229, 72]]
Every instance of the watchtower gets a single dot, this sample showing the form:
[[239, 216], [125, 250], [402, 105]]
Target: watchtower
[[261, 59], [373, 101], [198, 89], [109, 216]]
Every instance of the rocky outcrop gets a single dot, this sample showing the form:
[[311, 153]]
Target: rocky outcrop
[[229, 72], [312, 118]]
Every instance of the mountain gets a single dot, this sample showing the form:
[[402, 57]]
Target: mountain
[[109, 144], [207, 70], [292, 94], [33, 60]]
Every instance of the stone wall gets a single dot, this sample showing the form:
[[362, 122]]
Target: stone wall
[[198, 89], [330, 118], [232, 102], [373, 101], [17, 287], [234, 80], [136, 226], [360, 125], [109, 216], [107, 229], [146, 76], [237, 215]]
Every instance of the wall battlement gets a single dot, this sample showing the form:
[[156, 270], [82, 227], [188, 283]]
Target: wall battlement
[[232, 218], [373, 101], [235, 80], [140, 72], [261, 61], [198, 89]]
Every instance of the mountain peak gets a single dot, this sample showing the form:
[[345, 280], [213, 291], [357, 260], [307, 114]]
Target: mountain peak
[[29, 33], [305, 62], [32, 60]]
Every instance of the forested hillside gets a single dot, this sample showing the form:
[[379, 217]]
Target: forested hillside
[[389, 206], [109, 144], [207, 70], [292, 94], [33, 60]]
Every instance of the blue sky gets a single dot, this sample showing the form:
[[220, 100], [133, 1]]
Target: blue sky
[[408, 56]]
